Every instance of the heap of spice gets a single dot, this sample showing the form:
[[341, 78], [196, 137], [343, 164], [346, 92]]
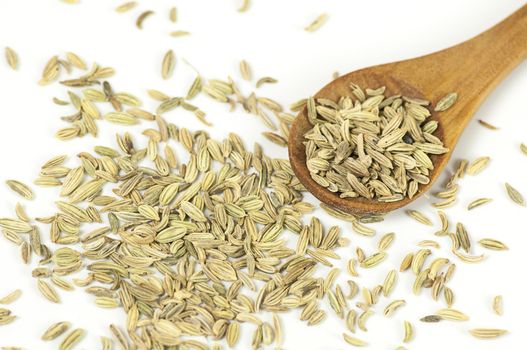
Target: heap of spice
[[372, 146]]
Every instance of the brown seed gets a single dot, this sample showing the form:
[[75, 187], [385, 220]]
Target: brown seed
[[142, 17], [487, 125]]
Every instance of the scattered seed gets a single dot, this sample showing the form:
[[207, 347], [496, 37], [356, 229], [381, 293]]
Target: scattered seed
[[55, 330], [20, 188], [11, 297], [11, 57], [317, 23], [478, 165], [408, 332], [487, 333], [420, 217], [514, 195], [72, 339], [167, 67], [492, 244], [265, 80], [497, 305], [477, 202], [142, 17], [354, 341], [446, 102], [125, 7], [487, 125]]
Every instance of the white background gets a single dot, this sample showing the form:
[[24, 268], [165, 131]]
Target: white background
[[271, 37]]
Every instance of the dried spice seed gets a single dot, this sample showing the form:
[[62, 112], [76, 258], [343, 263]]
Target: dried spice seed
[[477, 202], [244, 6], [317, 23], [354, 138], [478, 165], [497, 305], [11, 297], [167, 67], [55, 330], [142, 17], [11, 57], [354, 341], [446, 102], [125, 7], [245, 70], [487, 333], [179, 33], [72, 339], [265, 80], [452, 315], [408, 332], [420, 217], [513, 193], [20, 188], [487, 125], [492, 244], [172, 14]]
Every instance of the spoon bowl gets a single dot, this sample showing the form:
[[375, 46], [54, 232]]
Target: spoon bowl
[[472, 69]]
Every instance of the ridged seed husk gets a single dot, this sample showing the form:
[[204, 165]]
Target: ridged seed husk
[[408, 332], [493, 244], [72, 339], [167, 66], [11, 58], [497, 305], [56, 330], [11, 297], [452, 315], [20, 188], [487, 333], [515, 195], [353, 340]]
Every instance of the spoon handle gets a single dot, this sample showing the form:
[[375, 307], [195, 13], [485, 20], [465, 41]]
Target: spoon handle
[[492, 55], [473, 69]]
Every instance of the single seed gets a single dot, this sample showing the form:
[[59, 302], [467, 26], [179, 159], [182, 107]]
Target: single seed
[[487, 125], [488, 333], [514, 195], [125, 7], [477, 202], [55, 330], [446, 102], [167, 67], [497, 305], [317, 23], [72, 339], [11, 57], [142, 17]]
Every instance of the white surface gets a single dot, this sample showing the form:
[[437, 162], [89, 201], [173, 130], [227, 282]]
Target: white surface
[[270, 37]]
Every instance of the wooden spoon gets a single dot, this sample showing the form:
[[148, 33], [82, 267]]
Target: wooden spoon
[[472, 69]]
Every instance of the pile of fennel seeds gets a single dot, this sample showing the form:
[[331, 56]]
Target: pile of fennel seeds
[[350, 301], [372, 146]]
